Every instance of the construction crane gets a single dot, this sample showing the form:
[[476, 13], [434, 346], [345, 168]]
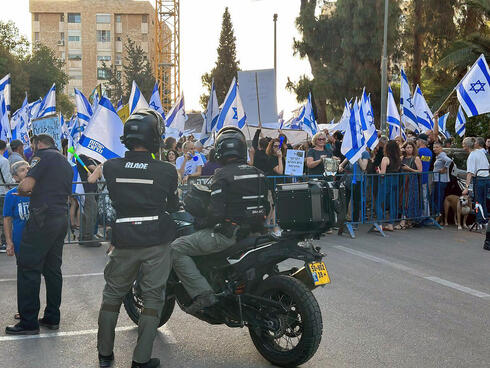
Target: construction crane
[[167, 50]]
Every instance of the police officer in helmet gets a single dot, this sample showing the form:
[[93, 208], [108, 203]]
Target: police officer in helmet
[[143, 191], [237, 208]]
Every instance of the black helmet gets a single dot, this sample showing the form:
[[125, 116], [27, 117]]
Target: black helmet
[[144, 127], [230, 142]]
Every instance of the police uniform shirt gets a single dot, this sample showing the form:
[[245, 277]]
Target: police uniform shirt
[[53, 175]]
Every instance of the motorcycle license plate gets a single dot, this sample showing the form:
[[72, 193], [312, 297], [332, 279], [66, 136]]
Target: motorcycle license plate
[[319, 273]]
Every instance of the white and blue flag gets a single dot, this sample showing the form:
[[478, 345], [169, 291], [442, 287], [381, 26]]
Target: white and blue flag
[[392, 114], [407, 106], [395, 131], [232, 113], [5, 132], [18, 123], [101, 138], [474, 89], [425, 118], [48, 103], [5, 86], [460, 125], [442, 123], [307, 120], [353, 144], [155, 102], [84, 109], [176, 118], [119, 105], [367, 121], [136, 99], [212, 111], [33, 109]]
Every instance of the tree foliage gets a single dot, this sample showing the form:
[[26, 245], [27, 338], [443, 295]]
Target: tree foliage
[[343, 45], [227, 65], [136, 67]]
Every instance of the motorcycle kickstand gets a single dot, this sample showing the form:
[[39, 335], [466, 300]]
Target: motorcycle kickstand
[[240, 310]]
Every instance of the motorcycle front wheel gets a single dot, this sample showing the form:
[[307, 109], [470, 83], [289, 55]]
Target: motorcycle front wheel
[[133, 303], [291, 338]]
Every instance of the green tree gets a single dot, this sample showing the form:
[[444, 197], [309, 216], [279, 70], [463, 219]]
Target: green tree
[[227, 66], [113, 86], [136, 67], [343, 45], [11, 39]]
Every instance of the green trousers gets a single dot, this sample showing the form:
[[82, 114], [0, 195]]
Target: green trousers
[[120, 272], [198, 244]]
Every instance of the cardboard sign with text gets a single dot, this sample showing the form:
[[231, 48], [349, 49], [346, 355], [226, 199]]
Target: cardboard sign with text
[[48, 125], [295, 160]]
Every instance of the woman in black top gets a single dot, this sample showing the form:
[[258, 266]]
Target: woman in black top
[[315, 155], [275, 156]]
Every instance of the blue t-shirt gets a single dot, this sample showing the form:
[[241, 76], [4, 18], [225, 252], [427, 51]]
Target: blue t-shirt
[[16, 207], [425, 155]]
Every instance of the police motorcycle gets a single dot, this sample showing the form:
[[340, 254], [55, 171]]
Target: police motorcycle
[[274, 302]]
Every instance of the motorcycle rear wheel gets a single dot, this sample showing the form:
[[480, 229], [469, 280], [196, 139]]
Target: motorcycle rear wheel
[[295, 337], [134, 304]]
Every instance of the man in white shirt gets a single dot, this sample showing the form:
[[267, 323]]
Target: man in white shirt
[[5, 178], [477, 170], [189, 165]]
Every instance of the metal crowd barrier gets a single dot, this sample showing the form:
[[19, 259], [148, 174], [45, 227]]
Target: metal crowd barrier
[[369, 199]]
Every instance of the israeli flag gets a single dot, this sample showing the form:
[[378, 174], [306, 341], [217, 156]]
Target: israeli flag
[[136, 99], [394, 131], [18, 122], [155, 102], [392, 114], [5, 86], [176, 118], [353, 143], [425, 119], [77, 186], [307, 121], [367, 121], [119, 105], [407, 106], [460, 125], [442, 122], [48, 104], [474, 89], [212, 111], [64, 128], [33, 109], [232, 113], [100, 140], [84, 109], [5, 132]]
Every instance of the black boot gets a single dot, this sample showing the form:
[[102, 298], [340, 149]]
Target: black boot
[[19, 330], [106, 361], [486, 245], [152, 363]]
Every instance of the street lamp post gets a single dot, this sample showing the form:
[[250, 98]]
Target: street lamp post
[[384, 70], [275, 45]]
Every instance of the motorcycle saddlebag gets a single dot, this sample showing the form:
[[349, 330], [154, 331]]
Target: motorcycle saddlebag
[[302, 206]]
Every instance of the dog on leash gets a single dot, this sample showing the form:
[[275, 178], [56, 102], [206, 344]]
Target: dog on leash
[[460, 206]]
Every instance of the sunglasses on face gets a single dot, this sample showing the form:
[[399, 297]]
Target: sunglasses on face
[[321, 139]]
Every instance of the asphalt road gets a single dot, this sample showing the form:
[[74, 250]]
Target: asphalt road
[[420, 298]]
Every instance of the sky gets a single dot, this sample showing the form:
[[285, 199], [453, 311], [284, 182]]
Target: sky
[[200, 26]]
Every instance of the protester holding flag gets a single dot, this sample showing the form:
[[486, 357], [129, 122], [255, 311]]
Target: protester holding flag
[[315, 155]]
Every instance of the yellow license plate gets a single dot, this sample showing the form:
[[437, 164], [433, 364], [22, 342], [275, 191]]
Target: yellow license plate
[[319, 273]]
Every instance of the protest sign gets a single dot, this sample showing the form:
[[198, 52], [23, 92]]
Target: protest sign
[[50, 125], [123, 113], [295, 160]]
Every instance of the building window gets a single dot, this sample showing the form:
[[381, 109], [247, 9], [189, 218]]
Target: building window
[[74, 38], [36, 37], [36, 17], [118, 18], [118, 38], [103, 36], [102, 73], [74, 18], [144, 18], [118, 74], [62, 55], [103, 18], [74, 56], [62, 17], [103, 57], [62, 36]]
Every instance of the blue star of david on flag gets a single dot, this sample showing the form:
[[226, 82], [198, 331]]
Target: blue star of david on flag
[[480, 89], [409, 100]]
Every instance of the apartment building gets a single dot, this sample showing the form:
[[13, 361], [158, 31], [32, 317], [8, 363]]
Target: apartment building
[[86, 33]]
